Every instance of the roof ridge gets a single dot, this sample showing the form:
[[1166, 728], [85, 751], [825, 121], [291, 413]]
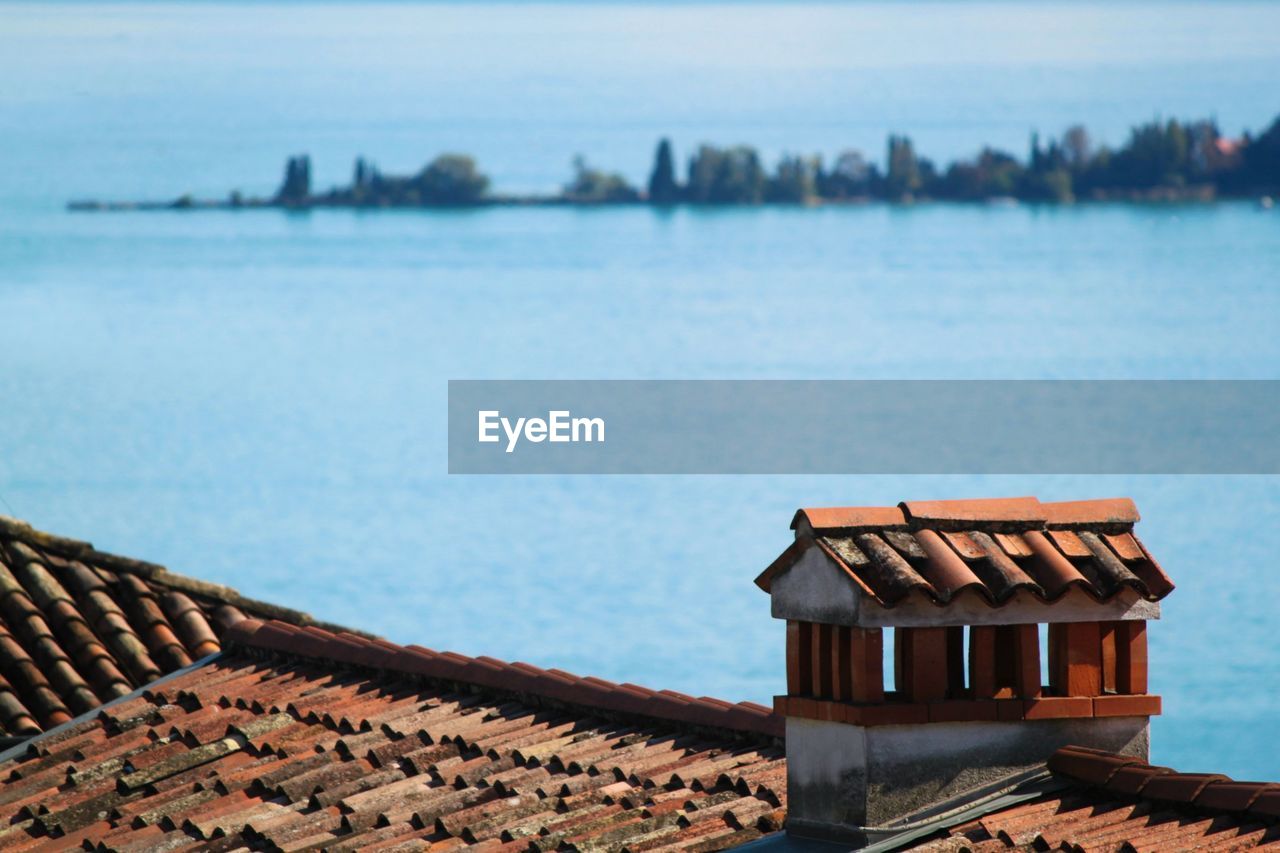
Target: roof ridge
[[84, 551], [16, 528], [1110, 515], [517, 678], [1129, 776]]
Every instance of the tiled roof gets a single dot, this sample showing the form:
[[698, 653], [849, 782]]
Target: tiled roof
[[297, 738], [79, 627], [990, 548], [1118, 803]]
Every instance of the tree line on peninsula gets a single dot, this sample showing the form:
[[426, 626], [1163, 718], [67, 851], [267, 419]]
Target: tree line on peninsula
[[1160, 160]]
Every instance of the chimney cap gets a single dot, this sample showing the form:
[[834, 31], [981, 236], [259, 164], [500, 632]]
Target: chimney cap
[[972, 556]]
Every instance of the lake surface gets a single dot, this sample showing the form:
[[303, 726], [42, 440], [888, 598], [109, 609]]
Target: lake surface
[[258, 398]]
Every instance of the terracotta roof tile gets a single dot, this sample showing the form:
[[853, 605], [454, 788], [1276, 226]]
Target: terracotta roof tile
[[1180, 787], [1089, 765], [1121, 512], [79, 627], [1132, 779], [850, 518], [994, 548], [1266, 804], [1233, 796], [1117, 803], [1010, 513], [298, 737]]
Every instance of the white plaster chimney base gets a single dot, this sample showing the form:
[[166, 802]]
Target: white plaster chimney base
[[841, 777]]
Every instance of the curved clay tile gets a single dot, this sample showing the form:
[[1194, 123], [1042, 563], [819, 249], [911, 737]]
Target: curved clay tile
[[1013, 544], [109, 622], [1133, 778], [1115, 512], [82, 583], [905, 543], [22, 672], [43, 588], [943, 568], [226, 615], [1140, 807], [106, 677], [850, 517], [1149, 571], [34, 652], [1180, 787], [154, 630], [49, 707], [91, 656], [62, 676], [1233, 796], [1054, 572], [849, 553], [996, 513], [889, 576], [86, 627], [140, 599], [190, 624], [83, 580], [1112, 572], [1125, 546], [16, 605], [165, 646], [963, 545], [1069, 544], [14, 716], [1001, 575], [1092, 766], [10, 591], [850, 557]]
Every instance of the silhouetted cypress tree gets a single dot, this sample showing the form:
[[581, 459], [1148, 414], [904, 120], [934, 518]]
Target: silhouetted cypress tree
[[297, 180], [663, 188], [902, 177], [1262, 159]]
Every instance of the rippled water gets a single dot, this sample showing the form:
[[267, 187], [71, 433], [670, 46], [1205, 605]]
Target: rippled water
[[258, 398]]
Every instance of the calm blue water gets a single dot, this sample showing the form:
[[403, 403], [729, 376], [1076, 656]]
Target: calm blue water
[[258, 398]]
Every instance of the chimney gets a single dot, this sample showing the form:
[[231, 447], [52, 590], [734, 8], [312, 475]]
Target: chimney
[[965, 591]]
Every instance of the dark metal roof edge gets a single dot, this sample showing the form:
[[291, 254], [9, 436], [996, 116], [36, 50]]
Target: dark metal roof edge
[[1010, 791], [19, 749]]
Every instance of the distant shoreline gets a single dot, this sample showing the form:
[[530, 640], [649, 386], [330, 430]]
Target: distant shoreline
[[1162, 161], [1140, 199]]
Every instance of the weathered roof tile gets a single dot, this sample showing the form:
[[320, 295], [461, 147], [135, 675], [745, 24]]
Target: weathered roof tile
[[1005, 513], [994, 547], [299, 738], [849, 518], [1091, 514], [1117, 802], [79, 627]]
